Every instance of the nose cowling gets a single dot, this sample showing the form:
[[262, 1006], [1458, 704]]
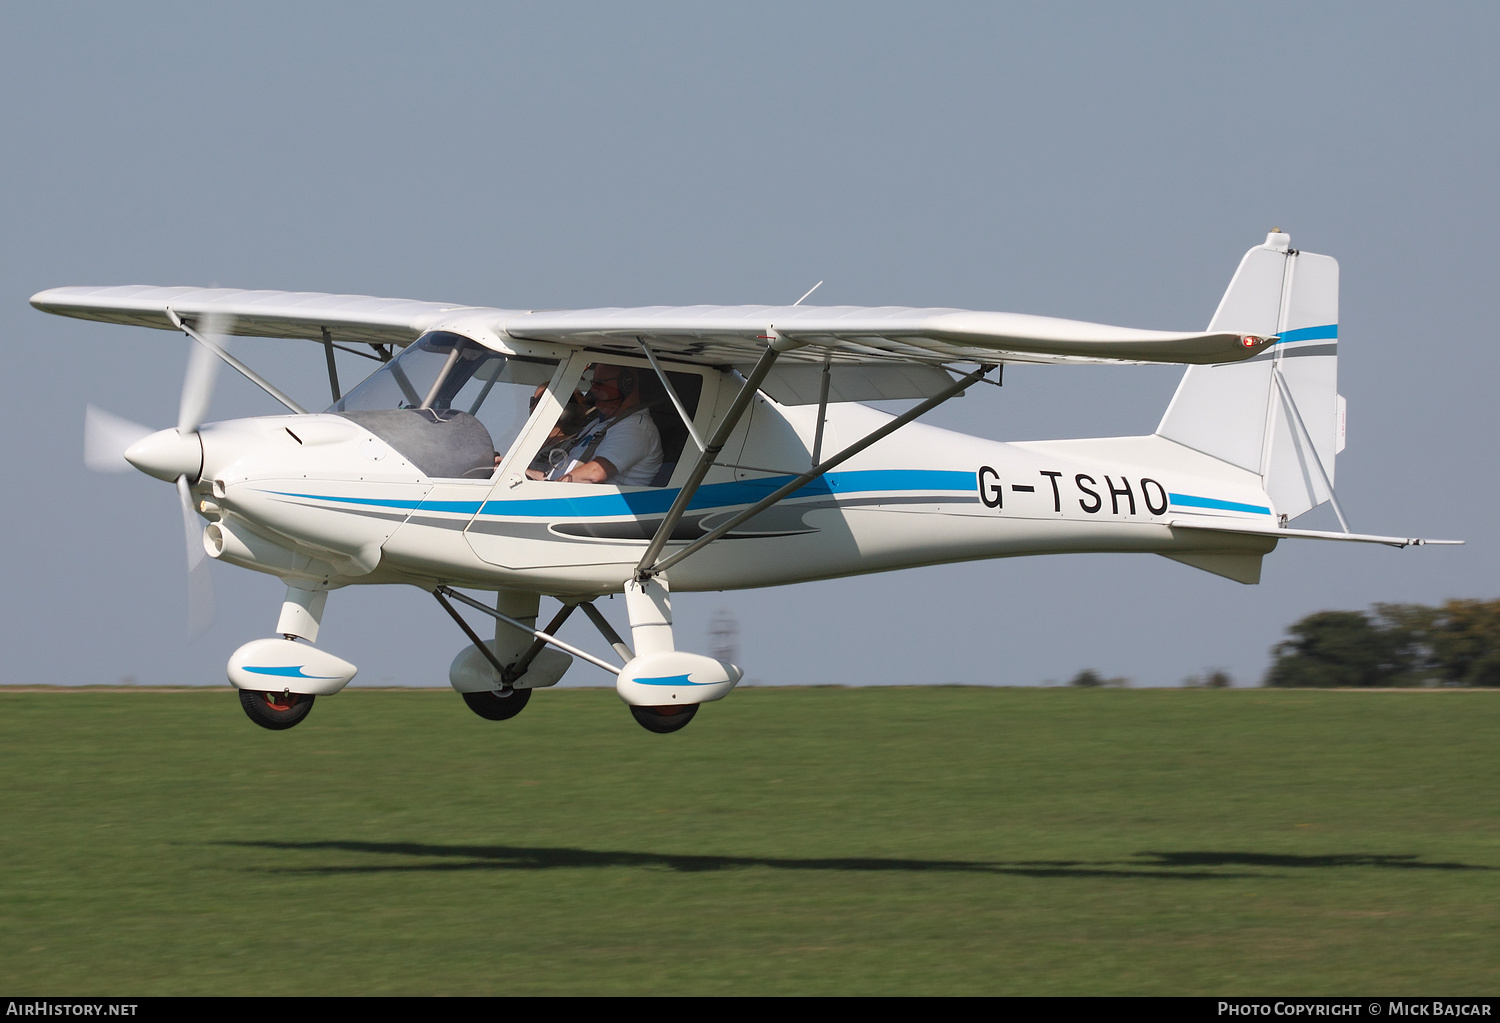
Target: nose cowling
[[167, 455]]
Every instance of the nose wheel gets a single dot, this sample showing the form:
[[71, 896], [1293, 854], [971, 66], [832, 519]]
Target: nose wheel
[[275, 710]]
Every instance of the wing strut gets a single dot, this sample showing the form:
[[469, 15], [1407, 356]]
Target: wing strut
[[648, 566], [687, 420], [244, 370], [333, 369], [817, 451], [645, 571]]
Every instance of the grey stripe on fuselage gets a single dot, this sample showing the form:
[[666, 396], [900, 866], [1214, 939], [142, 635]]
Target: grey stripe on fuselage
[[643, 529]]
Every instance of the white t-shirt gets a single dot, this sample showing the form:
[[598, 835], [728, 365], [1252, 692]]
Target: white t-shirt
[[632, 445]]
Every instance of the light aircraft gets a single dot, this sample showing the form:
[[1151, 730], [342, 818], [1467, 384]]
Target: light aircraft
[[663, 450]]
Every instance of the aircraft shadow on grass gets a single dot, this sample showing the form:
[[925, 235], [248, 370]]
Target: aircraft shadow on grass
[[1191, 866], [1251, 859]]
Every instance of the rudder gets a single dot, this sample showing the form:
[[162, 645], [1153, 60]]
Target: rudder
[[1239, 412]]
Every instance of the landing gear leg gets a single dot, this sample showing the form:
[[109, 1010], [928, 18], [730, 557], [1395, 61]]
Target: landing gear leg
[[265, 662], [650, 606], [496, 678]]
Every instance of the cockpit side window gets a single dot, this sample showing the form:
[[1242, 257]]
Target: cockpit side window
[[619, 426], [448, 403]]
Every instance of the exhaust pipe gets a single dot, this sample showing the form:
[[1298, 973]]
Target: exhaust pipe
[[248, 549]]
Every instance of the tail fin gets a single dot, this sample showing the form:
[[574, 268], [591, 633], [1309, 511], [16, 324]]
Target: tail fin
[[1278, 414]]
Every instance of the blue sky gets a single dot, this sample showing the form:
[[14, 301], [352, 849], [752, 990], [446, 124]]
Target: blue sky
[[1100, 162]]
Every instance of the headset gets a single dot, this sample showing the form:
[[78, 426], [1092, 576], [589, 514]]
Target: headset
[[626, 382]]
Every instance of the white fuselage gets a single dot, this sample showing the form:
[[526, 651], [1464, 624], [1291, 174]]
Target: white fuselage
[[319, 499]]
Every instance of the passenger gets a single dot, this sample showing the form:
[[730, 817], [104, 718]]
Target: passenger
[[620, 443], [555, 448]]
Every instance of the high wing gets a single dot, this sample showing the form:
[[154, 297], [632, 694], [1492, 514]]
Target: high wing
[[713, 335], [862, 334], [286, 314]]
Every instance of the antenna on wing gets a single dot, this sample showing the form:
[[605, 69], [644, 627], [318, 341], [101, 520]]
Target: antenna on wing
[[810, 290]]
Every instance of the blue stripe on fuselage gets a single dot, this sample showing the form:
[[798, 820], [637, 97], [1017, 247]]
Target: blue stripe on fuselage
[[656, 502], [1189, 501], [729, 495], [722, 495]]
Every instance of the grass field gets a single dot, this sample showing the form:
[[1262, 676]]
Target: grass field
[[871, 841]]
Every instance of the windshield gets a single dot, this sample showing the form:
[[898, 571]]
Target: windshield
[[442, 370]]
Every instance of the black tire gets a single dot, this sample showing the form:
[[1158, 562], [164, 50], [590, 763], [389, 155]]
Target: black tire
[[275, 710], [663, 720], [498, 706]]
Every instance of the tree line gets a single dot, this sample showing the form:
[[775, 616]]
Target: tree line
[[1393, 645]]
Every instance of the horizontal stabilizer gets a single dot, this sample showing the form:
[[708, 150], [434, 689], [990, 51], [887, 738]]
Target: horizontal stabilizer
[[1308, 534]]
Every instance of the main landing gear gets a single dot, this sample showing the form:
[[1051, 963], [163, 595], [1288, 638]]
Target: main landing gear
[[496, 677], [662, 686], [498, 704]]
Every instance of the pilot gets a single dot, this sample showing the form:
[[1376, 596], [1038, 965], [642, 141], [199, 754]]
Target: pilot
[[620, 443]]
